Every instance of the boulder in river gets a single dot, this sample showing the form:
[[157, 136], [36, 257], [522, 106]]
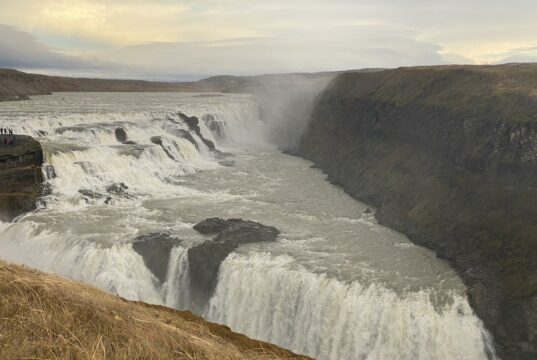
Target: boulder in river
[[121, 134], [205, 259]]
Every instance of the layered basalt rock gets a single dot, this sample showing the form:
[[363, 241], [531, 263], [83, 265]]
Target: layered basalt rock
[[21, 177], [205, 259], [155, 249], [448, 155]]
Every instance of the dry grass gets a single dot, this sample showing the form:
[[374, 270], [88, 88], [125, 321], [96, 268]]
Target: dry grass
[[46, 317]]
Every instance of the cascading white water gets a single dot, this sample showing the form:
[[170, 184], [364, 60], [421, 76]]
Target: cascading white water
[[336, 286], [176, 289], [265, 297]]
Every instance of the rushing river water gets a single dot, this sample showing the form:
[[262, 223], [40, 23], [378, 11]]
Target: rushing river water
[[336, 285]]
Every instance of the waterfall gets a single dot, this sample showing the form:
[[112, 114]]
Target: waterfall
[[105, 192], [176, 289], [270, 298]]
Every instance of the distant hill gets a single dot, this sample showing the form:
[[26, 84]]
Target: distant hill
[[15, 85], [18, 85]]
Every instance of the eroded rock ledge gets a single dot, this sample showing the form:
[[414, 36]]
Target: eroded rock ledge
[[20, 176], [448, 155], [205, 259]]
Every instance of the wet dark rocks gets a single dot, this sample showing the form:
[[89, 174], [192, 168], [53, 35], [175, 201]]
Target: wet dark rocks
[[205, 259], [121, 135], [64, 129], [188, 136], [21, 177], [155, 249], [193, 124], [90, 196], [49, 171], [211, 226], [118, 189], [157, 140]]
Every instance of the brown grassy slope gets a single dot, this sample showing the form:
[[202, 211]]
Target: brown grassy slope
[[47, 317]]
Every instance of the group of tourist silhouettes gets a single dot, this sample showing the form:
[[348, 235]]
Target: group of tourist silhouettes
[[8, 140]]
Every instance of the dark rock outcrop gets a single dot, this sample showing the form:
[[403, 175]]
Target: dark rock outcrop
[[20, 176], [121, 134], [211, 226], [118, 189], [193, 124], [448, 156], [90, 196], [205, 259], [155, 249], [188, 136], [157, 140]]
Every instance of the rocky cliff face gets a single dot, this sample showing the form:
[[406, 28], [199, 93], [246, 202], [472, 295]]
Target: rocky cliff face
[[20, 176], [448, 155], [204, 259]]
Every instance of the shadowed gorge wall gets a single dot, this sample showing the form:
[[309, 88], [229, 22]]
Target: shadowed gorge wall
[[448, 155], [20, 176]]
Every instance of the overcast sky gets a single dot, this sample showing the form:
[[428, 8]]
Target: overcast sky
[[183, 39]]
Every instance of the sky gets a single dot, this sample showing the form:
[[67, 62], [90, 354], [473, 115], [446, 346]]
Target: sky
[[191, 39]]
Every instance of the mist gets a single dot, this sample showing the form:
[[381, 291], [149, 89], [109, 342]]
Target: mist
[[286, 102]]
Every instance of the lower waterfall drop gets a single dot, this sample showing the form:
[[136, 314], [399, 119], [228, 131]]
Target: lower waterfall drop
[[270, 298]]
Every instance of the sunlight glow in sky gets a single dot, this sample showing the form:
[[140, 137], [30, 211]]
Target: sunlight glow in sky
[[172, 39]]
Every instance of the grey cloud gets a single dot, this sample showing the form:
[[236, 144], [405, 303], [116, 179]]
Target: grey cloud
[[21, 50], [361, 46]]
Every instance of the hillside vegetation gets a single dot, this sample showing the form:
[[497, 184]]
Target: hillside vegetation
[[47, 317]]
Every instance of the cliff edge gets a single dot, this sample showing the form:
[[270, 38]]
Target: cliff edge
[[20, 176], [448, 155]]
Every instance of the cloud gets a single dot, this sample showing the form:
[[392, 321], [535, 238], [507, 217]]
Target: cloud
[[205, 37], [22, 51], [524, 54], [363, 46]]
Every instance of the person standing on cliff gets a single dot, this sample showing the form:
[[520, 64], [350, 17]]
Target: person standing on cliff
[[10, 131]]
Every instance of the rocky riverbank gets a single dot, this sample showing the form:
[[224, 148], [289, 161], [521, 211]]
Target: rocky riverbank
[[448, 155], [20, 176]]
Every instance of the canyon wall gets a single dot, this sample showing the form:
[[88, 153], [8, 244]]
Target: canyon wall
[[448, 156], [20, 176]]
